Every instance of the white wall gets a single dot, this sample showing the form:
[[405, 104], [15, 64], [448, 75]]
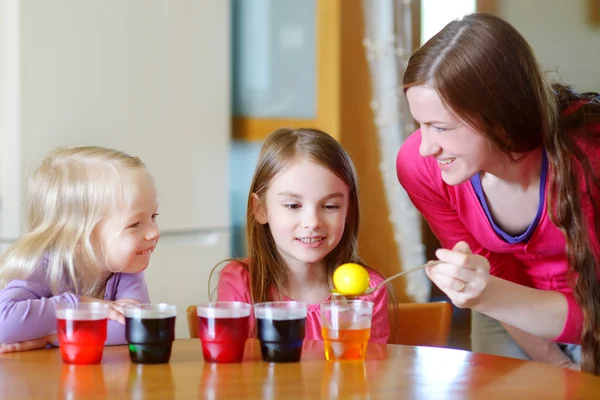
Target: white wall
[[561, 36], [150, 77]]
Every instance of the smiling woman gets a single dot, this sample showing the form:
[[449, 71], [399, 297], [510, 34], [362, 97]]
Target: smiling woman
[[503, 170]]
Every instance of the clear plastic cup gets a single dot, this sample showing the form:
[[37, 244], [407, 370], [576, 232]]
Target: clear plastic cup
[[81, 331], [150, 332], [346, 328], [223, 327], [281, 329]]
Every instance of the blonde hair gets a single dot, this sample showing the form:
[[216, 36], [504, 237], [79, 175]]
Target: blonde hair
[[68, 195]]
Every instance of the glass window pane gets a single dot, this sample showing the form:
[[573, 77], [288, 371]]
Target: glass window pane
[[274, 58]]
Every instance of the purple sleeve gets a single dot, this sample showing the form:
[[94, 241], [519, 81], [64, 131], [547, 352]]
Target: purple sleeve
[[27, 309], [126, 286]]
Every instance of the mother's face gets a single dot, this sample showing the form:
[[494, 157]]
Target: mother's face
[[460, 151]]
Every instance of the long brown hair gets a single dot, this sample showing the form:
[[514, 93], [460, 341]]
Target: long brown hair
[[267, 268], [488, 75]]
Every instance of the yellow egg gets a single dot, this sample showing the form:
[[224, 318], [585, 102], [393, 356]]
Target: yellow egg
[[351, 279]]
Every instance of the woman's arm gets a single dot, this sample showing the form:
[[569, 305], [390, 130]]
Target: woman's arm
[[541, 313], [466, 280], [540, 349]]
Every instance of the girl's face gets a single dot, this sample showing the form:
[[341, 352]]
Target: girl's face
[[305, 206], [128, 237], [460, 151]]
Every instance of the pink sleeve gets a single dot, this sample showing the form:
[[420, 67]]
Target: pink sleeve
[[573, 327], [380, 329], [571, 332], [234, 284]]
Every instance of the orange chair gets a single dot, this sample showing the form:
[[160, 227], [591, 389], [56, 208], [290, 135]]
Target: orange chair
[[421, 324], [192, 319]]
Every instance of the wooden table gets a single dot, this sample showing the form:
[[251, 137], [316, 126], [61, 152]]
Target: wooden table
[[390, 372]]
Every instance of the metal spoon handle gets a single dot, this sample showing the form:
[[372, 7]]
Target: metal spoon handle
[[399, 274]]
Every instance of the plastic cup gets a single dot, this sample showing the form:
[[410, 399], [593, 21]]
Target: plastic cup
[[81, 331], [150, 332], [223, 327], [346, 328], [280, 329]]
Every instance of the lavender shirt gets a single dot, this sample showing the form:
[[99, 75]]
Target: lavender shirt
[[27, 306]]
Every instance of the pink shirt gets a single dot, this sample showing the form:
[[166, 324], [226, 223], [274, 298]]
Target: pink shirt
[[455, 213], [234, 285]]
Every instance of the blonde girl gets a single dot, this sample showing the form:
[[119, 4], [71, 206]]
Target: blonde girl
[[91, 229]]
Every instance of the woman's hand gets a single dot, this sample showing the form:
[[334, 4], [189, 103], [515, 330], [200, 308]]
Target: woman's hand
[[116, 307], [462, 275], [25, 345]]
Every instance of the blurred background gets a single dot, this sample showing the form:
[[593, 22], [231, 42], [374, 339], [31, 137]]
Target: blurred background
[[194, 86]]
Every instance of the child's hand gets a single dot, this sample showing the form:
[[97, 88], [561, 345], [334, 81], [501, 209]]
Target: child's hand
[[25, 345], [462, 275], [116, 307], [116, 312]]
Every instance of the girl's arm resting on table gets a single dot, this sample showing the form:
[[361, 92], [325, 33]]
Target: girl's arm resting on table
[[32, 344], [26, 314]]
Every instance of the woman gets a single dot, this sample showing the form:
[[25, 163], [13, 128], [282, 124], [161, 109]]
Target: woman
[[503, 169]]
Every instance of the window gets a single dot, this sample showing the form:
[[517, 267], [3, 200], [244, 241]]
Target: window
[[435, 14]]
